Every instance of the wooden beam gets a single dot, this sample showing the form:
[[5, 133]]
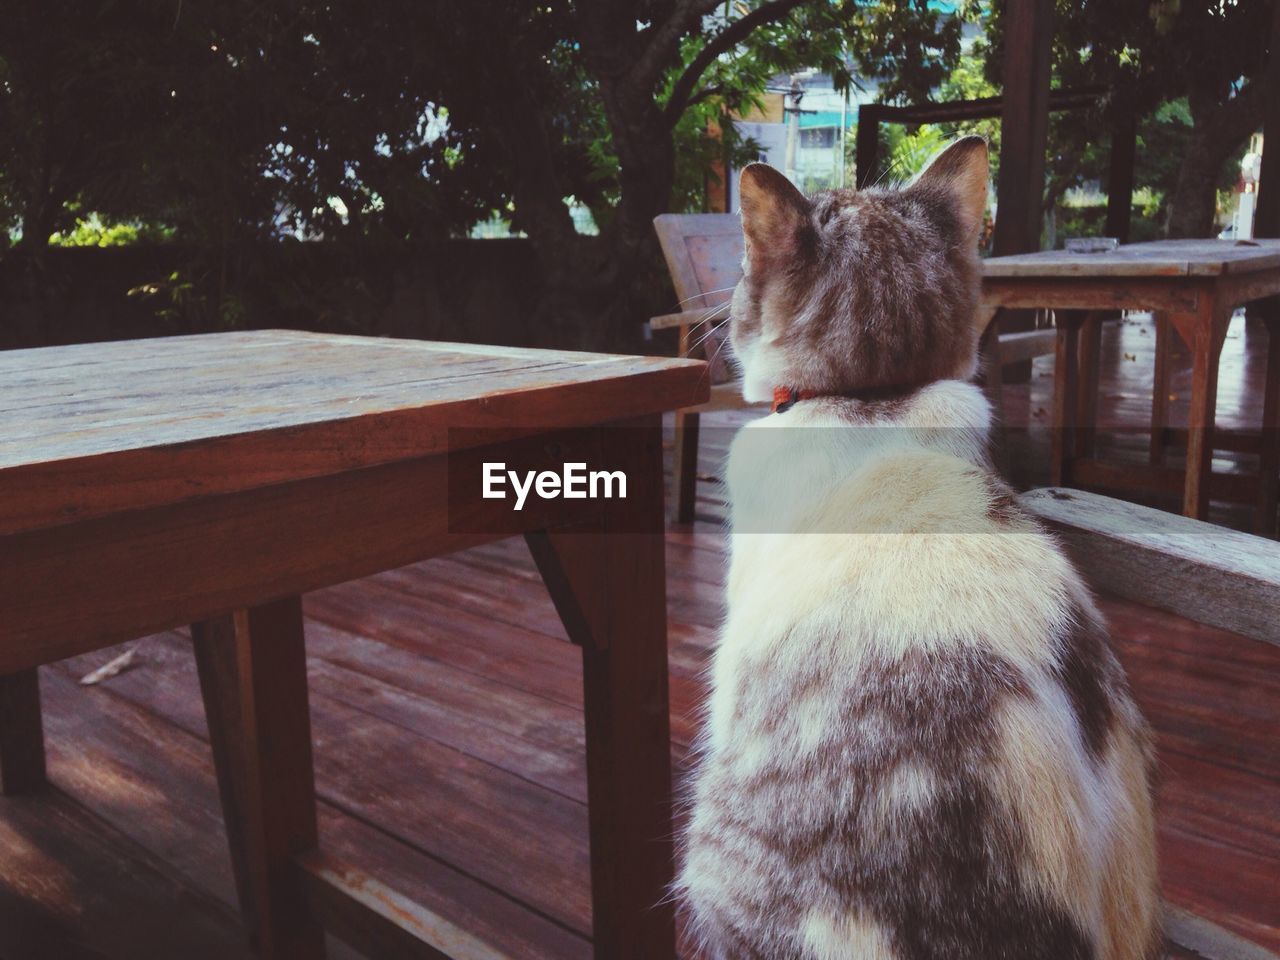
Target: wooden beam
[[981, 108], [1147, 479], [380, 921], [1027, 345], [1124, 145], [867, 145], [1024, 128], [194, 560], [1202, 572], [1266, 216], [1266, 219], [1096, 293], [690, 318], [1269, 436]]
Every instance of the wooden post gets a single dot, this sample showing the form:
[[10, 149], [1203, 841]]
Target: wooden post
[[684, 462], [1124, 142], [1024, 127], [1266, 218], [1087, 376], [21, 734], [1266, 223], [867, 145], [609, 587], [1210, 329], [1065, 391], [1269, 459], [1160, 380], [253, 677]]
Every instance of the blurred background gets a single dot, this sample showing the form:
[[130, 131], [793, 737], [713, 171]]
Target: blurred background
[[489, 171]]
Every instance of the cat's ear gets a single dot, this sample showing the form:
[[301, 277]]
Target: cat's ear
[[961, 169], [774, 212]]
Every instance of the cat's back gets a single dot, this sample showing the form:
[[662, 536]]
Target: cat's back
[[921, 744], [892, 514]]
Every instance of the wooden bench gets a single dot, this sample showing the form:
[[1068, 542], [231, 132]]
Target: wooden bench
[[704, 256], [1190, 568]]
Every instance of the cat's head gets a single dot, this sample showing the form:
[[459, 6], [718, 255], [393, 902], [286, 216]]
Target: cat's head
[[861, 289]]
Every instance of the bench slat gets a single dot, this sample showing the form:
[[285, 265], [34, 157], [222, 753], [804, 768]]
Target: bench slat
[[1197, 570]]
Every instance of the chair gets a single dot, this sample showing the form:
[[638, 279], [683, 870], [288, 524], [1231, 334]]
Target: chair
[[1192, 569], [704, 256]]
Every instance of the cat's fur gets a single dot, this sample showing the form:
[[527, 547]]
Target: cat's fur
[[920, 745]]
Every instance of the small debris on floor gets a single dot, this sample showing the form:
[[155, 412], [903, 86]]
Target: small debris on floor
[[111, 668], [1130, 356]]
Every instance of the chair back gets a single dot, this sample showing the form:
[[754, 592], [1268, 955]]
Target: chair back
[[703, 253]]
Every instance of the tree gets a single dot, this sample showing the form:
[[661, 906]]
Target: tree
[[239, 120], [642, 78]]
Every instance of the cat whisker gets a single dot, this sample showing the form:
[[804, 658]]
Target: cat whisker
[[717, 314], [705, 293], [703, 339], [712, 359], [712, 314], [885, 173]]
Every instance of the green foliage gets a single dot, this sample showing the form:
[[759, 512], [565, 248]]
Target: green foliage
[[906, 149], [240, 122], [93, 231], [910, 150], [1176, 65], [243, 119]]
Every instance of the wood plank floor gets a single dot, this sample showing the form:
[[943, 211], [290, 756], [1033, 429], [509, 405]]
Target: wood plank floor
[[446, 705]]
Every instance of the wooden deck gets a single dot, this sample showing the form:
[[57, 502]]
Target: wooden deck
[[446, 705]]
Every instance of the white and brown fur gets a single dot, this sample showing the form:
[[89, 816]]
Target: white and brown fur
[[920, 745]]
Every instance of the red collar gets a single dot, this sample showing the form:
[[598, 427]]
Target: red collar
[[784, 398]]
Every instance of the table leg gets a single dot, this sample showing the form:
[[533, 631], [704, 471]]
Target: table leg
[[1087, 383], [1160, 387], [1065, 386], [1269, 459], [684, 467], [253, 678], [609, 587], [21, 734], [1210, 327]]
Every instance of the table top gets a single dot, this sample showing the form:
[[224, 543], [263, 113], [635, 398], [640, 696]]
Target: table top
[[95, 428], [1158, 258]]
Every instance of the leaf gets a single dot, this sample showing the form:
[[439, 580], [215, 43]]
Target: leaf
[[111, 668]]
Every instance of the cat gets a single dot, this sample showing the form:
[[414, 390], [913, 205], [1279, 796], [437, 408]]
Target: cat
[[919, 744]]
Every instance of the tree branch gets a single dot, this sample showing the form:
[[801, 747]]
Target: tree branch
[[662, 40], [706, 93], [725, 40]]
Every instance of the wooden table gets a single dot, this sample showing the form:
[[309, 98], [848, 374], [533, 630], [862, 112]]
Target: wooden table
[[212, 480], [1193, 286]]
